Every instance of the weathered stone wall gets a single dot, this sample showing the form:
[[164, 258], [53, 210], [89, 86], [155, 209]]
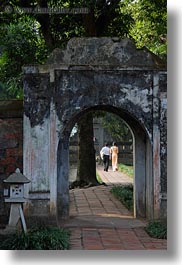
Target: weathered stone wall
[[94, 74], [163, 143], [11, 146]]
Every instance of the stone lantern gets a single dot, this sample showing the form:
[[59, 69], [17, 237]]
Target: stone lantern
[[16, 181]]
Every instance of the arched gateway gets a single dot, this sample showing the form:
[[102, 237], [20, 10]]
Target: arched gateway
[[94, 74]]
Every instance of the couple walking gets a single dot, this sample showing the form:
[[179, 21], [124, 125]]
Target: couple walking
[[106, 153]]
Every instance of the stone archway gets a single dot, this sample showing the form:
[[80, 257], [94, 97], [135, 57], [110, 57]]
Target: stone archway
[[142, 163], [91, 73]]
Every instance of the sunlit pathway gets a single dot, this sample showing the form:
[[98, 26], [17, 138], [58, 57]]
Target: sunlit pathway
[[113, 178], [98, 221], [96, 201]]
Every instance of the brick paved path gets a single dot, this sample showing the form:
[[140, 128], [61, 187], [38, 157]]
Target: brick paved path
[[114, 239], [113, 178], [98, 221]]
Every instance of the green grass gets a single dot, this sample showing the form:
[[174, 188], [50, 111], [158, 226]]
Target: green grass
[[37, 238], [125, 195], [99, 178], [128, 170], [157, 229]]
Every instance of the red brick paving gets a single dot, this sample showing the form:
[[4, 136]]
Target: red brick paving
[[98, 221], [114, 239]]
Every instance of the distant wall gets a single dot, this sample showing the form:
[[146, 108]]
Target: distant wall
[[11, 145]]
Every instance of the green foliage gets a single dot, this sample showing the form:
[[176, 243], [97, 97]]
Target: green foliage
[[150, 27], [115, 126], [38, 238], [99, 178], [20, 44], [157, 229], [125, 195], [21, 41], [10, 89], [128, 170]]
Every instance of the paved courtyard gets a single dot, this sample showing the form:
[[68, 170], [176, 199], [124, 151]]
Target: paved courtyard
[[98, 221]]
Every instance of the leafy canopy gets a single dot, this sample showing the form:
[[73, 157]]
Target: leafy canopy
[[28, 38], [20, 44]]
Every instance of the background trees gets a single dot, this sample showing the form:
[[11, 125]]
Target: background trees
[[150, 25], [30, 37], [20, 44], [116, 127]]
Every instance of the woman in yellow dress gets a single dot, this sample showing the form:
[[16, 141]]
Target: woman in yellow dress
[[114, 153]]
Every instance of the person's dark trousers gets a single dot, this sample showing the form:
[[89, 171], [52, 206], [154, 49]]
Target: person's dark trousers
[[106, 162]]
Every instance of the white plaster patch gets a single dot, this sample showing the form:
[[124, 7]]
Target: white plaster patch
[[138, 97], [40, 156], [164, 103]]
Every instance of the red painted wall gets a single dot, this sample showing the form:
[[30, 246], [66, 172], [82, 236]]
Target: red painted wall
[[11, 146]]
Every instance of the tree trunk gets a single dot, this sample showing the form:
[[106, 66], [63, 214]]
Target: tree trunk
[[89, 24], [45, 22], [87, 165]]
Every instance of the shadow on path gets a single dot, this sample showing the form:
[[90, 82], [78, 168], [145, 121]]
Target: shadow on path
[[98, 221]]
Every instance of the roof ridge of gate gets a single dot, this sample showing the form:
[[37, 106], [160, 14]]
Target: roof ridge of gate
[[105, 51]]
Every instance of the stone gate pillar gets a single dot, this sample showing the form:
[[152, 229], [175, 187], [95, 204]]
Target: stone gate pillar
[[160, 144], [41, 129]]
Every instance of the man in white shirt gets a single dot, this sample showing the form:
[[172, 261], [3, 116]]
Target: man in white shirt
[[105, 155]]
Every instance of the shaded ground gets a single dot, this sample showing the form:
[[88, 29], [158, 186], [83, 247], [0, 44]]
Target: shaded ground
[[98, 221]]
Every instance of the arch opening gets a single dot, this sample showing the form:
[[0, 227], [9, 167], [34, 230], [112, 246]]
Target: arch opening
[[142, 153], [125, 81]]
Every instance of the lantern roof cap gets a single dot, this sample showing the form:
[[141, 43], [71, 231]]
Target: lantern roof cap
[[17, 177]]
